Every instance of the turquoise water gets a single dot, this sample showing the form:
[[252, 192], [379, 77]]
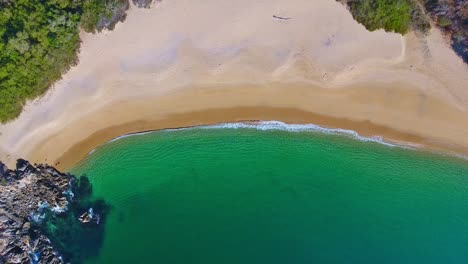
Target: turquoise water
[[251, 196]]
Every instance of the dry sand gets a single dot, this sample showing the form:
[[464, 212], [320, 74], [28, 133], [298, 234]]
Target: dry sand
[[184, 63]]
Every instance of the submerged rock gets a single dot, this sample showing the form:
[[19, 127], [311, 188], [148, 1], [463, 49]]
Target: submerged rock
[[28, 195], [89, 217]]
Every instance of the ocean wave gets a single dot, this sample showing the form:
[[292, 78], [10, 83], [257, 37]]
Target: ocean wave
[[271, 125], [278, 125], [122, 137], [127, 135]]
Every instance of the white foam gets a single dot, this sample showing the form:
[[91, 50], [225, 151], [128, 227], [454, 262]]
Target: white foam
[[278, 125], [121, 137], [58, 210], [127, 135], [271, 125]]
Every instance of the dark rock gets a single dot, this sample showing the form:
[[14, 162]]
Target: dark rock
[[454, 23], [6, 175], [451, 17], [3, 169], [23, 167], [27, 195], [142, 3], [24, 194]]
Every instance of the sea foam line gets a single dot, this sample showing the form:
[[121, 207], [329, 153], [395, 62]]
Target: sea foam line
[[278, 125], [130, 135], [271, 125], [122, 137]]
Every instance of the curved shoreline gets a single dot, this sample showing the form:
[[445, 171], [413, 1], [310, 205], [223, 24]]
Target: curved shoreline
[[263, 125], [215, 117], [394, 111]]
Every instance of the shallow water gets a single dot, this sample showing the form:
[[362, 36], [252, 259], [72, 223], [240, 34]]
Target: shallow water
[[242, 195]]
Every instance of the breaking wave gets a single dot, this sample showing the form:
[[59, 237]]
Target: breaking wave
[[272, 125]]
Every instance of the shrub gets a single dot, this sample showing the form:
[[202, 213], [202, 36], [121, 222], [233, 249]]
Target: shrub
[[39, 41], [390, 15], [443, 21]]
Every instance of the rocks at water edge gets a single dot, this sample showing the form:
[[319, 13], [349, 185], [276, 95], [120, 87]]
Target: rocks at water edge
[[27, 194]]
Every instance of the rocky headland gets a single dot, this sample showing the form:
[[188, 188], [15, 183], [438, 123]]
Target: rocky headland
[[45, 214], [450, 16]]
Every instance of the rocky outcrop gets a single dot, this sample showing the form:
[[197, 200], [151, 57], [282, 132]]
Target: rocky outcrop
[[27, 196], [142, 3], [452, 18]]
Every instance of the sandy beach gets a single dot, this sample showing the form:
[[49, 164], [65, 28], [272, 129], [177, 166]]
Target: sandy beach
[[183, 63]]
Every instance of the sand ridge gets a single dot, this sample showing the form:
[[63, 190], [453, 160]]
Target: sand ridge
[[181, 57]]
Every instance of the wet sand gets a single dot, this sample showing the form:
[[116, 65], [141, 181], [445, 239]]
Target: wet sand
[[332, 109]]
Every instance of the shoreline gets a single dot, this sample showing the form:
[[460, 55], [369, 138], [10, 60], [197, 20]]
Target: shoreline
[[264, 125], [275, 125], [289, 116]]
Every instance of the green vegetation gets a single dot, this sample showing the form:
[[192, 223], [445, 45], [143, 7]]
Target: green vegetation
[[39, 40], [443, 21], [402, 15], [452, 19], [99, 14], [391, 15]]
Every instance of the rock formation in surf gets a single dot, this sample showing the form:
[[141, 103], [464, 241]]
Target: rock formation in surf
[[40, 209]]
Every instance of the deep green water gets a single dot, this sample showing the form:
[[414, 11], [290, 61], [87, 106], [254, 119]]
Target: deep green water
[[249, 196]]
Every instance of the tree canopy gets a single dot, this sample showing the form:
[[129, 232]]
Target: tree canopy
[[391, 15], [39, 40]]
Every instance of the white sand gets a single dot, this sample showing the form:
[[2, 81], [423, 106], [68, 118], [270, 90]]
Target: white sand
[[179, 44]]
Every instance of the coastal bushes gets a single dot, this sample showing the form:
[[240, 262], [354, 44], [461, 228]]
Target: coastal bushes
[[99, 14], [39, 40], [451, 17], [391, 15]]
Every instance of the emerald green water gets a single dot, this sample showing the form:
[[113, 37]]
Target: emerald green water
[[251, 196]]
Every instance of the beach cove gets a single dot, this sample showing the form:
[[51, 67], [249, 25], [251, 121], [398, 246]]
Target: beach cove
[[183, 64], [273, 193]]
